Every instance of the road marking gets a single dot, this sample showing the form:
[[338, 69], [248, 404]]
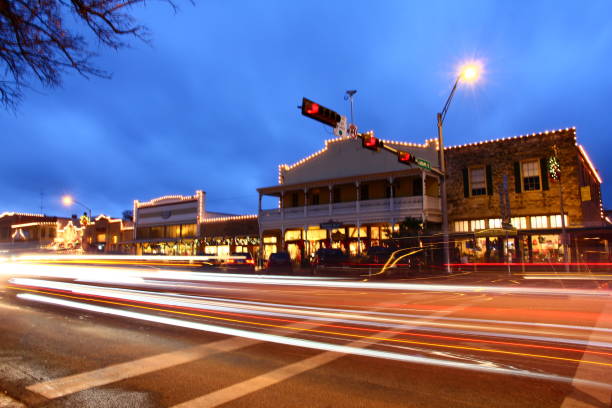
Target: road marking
[[238, 390], [78, 382], [588, 396]]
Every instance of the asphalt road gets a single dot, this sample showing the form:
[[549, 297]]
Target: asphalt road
[[102, 337]]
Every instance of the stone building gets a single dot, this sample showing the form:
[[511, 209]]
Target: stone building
[[484, 176]]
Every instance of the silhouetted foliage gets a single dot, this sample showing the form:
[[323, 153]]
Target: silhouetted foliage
[[37, 39]]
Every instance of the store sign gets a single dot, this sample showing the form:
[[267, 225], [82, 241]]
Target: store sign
[[585, 193], [330, 225]]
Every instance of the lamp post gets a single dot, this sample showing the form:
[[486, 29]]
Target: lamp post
[[68, 200], [469, 73]]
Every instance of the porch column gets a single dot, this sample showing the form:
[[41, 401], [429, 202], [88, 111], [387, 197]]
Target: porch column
[[331, 189], [391, 195], [305, 202], [357, 206], [281, 205], [423, 188]]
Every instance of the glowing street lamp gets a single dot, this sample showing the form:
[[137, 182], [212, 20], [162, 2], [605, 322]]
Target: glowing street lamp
[[468, 73], [68, 200]]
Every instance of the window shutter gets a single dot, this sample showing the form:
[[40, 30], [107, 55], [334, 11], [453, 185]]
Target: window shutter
[[466, 183], [489, 180], [517, 177], [544, 173]]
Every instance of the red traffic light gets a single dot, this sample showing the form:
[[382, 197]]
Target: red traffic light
[[370, 142], [317, 112], [405, 157], [312, 109]]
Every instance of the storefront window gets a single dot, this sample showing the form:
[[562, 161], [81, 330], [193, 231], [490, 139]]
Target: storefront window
[[462, 226], [477, 225], [316, 234], [188, 230], [156, 232], [555, 221], [375, 232], [210, 250], [495, 223], [540, 221], [546, 248], [519, 222], [173, 231], [293, 235], [355, 233]]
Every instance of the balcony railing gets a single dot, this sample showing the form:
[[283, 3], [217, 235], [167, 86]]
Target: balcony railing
[[413, 204]]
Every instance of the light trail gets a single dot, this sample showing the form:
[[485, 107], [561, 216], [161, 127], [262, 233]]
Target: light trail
[[355, 335], [308, 343], [122, 275], [283, 313]]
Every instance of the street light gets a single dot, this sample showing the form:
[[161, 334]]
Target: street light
[[468, 73], [68, 200]]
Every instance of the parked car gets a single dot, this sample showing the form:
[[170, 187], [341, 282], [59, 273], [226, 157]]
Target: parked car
[[279, 262], [239, 262], [326, 259], [378, 255]]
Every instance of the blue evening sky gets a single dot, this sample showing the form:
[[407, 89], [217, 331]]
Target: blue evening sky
[[212, 103]]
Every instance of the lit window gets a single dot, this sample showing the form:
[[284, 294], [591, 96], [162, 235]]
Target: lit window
[[293, 235], [519, 222], [531, 175], [540, 221], [555, 221], [269, 240], [477, 225], [495, 223], [462, 226], [478, 185]]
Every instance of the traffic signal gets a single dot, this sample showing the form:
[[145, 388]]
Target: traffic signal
[[405, 157], [368, 141], [317, 112]]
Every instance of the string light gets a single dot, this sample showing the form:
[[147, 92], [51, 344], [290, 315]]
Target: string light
[[32, 224], [9, 214], [231, 218], [155, 201], [590, 163], [285, 167], [546, 132]]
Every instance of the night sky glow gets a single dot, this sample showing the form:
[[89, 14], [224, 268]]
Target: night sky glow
[[212, 104]]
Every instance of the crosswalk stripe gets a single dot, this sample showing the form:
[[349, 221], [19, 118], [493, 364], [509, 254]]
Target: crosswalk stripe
[[588, 396], [238, 390], [78, 382]]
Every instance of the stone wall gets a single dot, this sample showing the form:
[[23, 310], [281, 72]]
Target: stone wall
[[501, 156]]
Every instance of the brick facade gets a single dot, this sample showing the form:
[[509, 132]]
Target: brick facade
[[502, 158]]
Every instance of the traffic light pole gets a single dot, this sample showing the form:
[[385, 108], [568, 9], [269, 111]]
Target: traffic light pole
[[444, 206]]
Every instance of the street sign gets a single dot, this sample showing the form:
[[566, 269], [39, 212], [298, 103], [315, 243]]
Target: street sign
[[423, 163], [330, 225]]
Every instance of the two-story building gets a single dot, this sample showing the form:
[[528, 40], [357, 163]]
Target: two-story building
[[348, 197], [488, 179]]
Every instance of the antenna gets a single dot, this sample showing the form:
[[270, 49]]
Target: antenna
[[349, 96]]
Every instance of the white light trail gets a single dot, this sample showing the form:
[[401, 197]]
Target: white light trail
[[308, 343], [330, 315], [119, 275]]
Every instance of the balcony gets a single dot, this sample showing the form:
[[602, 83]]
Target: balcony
[[396, 208]]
